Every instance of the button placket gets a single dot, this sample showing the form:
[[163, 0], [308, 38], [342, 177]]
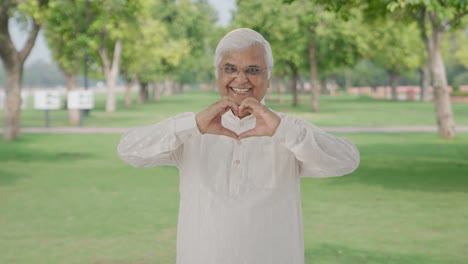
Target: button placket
[[235, 180]]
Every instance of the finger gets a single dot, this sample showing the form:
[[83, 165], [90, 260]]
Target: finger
[[249, 133], [230, 105], [248, 106], [245, 110], [229, 133], [251, 103]]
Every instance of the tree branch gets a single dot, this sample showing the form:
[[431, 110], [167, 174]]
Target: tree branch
[[456, 19], [23, 54], [7, 48], [105, 60]]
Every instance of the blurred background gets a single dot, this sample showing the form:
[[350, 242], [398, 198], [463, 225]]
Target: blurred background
[[75, 74]]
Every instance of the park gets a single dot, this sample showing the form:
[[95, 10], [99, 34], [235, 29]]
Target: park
[[66, 197]]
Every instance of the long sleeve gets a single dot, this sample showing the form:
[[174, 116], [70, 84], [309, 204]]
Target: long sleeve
[[158, 144], [320, 154]]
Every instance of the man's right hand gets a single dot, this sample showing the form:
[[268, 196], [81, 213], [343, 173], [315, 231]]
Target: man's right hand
[[209, 120]]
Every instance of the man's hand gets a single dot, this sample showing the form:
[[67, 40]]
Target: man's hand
[[209, 120], [266, 121]]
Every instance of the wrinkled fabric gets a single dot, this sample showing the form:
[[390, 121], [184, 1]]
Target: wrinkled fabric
[[240, 201]]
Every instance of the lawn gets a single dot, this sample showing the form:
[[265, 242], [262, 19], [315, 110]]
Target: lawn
[[68, 199], [335, 111]]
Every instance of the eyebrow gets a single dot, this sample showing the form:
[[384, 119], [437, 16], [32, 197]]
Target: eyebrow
[[233, 65]]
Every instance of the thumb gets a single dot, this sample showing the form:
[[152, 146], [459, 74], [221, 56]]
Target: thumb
[[249, 133]]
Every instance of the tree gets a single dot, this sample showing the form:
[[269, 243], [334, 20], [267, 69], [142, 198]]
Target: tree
[[195, 22], [158, 53], [109, 22], [434, 19], [31, 13], [396, 48], [305, 27], [278, 24], [65, 31]]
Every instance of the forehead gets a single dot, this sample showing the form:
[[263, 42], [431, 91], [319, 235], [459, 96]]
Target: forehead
[[253, 55]]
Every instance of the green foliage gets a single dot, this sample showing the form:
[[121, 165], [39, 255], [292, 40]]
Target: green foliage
[[33, 9], [447, 14], [65, 32], [194, 23], [170, 39], [396, 46], [460, 41], [291, 28]]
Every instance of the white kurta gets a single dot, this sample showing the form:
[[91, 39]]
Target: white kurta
[[240, 201]]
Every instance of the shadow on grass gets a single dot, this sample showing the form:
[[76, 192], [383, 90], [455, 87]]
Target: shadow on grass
[[330, 253], [10, 177], [23, 155], [421, 167]]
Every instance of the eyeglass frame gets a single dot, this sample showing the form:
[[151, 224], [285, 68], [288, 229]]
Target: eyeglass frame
[[244, 70]]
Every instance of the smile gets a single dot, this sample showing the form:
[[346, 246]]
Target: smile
[[241, 90]]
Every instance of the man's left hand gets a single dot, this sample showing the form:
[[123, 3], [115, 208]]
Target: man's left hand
[[266, 120]]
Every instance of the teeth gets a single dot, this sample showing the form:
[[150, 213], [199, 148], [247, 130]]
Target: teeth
[[241, 91]]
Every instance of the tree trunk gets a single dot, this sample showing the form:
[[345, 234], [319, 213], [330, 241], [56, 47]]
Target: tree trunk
[[293, 82], [156, 91], [178, 87], [281, 91], [348, 79], [443, 105], [425, 82], [324, 89], [143, 94], [111, 71], [12, 107], [315, 87], [128, 90], [73, 114], [293, 88], [13, 62], [168, 87], [393, 79]]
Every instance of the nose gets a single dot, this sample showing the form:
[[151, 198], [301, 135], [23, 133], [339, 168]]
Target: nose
[[241, 77]]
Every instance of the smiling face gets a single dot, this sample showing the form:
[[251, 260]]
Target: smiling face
[[242, 86]]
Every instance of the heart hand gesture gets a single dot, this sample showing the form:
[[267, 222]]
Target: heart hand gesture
[[209, 120]]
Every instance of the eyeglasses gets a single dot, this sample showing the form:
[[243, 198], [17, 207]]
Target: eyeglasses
[[251, 72]]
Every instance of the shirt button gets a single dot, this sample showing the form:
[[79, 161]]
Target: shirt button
[[239, 143], [237, 161], [282, 140]]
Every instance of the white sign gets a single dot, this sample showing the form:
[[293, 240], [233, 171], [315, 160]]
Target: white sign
[[47, 100], [24, 100], [80, 99]]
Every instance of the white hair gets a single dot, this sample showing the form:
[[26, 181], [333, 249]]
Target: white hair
[[239, 39]]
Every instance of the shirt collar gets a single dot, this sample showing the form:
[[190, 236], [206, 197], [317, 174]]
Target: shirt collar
[[234, 123]]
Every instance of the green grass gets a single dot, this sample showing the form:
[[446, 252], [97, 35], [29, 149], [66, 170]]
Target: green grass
[[68, 199], [335, 111]]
